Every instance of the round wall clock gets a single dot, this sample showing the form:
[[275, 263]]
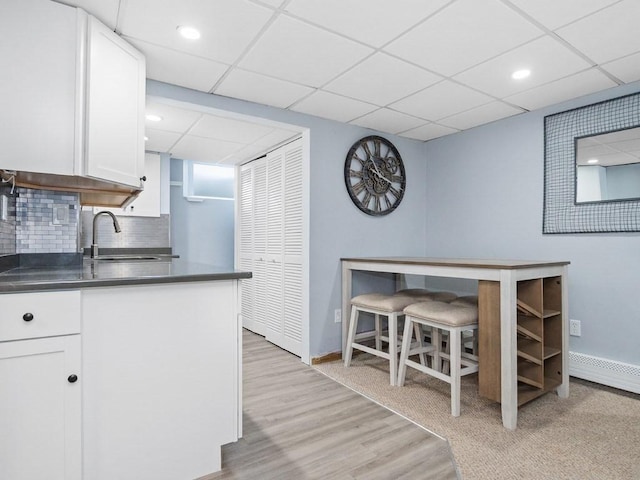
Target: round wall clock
[[374, 175]]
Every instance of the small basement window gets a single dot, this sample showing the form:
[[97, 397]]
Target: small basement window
[[203, 181]]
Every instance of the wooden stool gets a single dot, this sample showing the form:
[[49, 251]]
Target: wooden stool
[[428, 294], [471, 341], [453, 319], [390, 306]]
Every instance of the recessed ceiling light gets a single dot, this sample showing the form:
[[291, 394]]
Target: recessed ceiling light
[[592, 160], [146, 139], [520, 74], [153, 118], [190, 33]]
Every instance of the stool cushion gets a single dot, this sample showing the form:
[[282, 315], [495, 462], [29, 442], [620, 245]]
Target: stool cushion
[[384, 303], [445, 313], [428, 294], [466, 300]]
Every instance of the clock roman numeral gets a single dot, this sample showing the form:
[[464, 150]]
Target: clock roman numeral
[[358, 188], [356, 157], [377, 205], [376, 148], [387, 201], [366, 199], [355, 173], [394, 192], [365, 147]]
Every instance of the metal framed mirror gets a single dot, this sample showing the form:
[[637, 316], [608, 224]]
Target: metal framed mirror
[[600, 200]]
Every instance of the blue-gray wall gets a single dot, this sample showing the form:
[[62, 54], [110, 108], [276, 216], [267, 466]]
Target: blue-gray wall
[[484, 199], [201, 232]]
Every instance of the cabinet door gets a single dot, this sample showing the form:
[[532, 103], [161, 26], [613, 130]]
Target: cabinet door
[[114, 148], [40, 85], [147, 204], [40, 416]]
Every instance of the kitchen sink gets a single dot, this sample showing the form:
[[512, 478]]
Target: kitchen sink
[[130, 258]]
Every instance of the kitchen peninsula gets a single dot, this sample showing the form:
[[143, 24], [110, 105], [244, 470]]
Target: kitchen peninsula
[[119, 368]]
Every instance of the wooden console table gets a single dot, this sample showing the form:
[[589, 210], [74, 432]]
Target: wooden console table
[[505, 288]]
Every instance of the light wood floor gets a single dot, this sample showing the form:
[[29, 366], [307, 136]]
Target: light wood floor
[[299, 424]]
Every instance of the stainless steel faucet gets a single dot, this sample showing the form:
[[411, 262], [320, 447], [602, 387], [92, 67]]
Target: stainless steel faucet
[[94, 243]]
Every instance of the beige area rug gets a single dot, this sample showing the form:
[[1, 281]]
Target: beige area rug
[[594, 434]]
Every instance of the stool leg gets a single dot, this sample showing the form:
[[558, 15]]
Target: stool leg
[[454, 361], [378, 328], [351, 337], [393, 347], [420, 339], [436, 341], [404, 351]]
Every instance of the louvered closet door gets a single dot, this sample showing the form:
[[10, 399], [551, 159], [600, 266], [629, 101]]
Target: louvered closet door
[[260, 282], [274, 234], [293, 228], [245, 253], [275, 215]]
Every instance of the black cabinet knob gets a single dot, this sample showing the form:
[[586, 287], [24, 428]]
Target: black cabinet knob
[[143, 178], [27, 317], [72, 378]]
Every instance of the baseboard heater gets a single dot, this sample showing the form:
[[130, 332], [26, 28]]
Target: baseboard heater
[[607, 372]]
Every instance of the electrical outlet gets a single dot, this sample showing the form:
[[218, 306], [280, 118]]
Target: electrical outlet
[[337, 315], [574, 328]]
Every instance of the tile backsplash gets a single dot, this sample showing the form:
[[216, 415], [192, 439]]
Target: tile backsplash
[[137, 232], [46, 221]]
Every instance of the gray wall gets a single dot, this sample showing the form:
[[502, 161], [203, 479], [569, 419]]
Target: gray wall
[[201, 232], [337, 228], [484, 199]]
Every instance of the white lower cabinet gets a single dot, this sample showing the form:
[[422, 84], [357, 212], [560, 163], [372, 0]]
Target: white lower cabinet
[[161, 389], [40, 409]]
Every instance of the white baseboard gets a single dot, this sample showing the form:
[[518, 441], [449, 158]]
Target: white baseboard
[[607, 372]]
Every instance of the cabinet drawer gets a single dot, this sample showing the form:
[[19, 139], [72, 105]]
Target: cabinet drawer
[[42, 314]]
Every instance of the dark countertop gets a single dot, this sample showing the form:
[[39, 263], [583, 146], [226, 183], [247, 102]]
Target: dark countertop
[[89, 273]]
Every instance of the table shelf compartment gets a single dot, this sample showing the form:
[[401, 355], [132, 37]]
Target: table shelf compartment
[[539, 337]]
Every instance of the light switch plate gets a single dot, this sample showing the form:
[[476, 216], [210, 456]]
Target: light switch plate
[[4, 208]]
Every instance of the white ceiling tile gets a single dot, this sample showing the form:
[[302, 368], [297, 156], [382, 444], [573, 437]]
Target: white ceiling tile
[[300, 53], [389, 121], [483, 114], [553, 13], [271, 3], [548, 60], [173, 119], [160, 140], [191, 147], [210, 126], [582, 83], [335, 107], [608, 34], [104, 10], [441, 100], [626, 69], [258, 88], [179, 68], [276, 137], [382, 79], [374, 22], [464, 34], [227, 26], [428, 132]]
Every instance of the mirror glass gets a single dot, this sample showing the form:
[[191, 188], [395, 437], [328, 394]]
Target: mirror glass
[[608, 166]]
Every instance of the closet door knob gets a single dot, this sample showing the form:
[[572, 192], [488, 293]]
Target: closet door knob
[[27, 317], [72, 378]]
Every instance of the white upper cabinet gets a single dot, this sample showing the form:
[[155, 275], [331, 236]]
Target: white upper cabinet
[[73, 95], [114, 142]]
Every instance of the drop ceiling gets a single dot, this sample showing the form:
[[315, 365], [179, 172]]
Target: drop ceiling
[[419, 69]]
